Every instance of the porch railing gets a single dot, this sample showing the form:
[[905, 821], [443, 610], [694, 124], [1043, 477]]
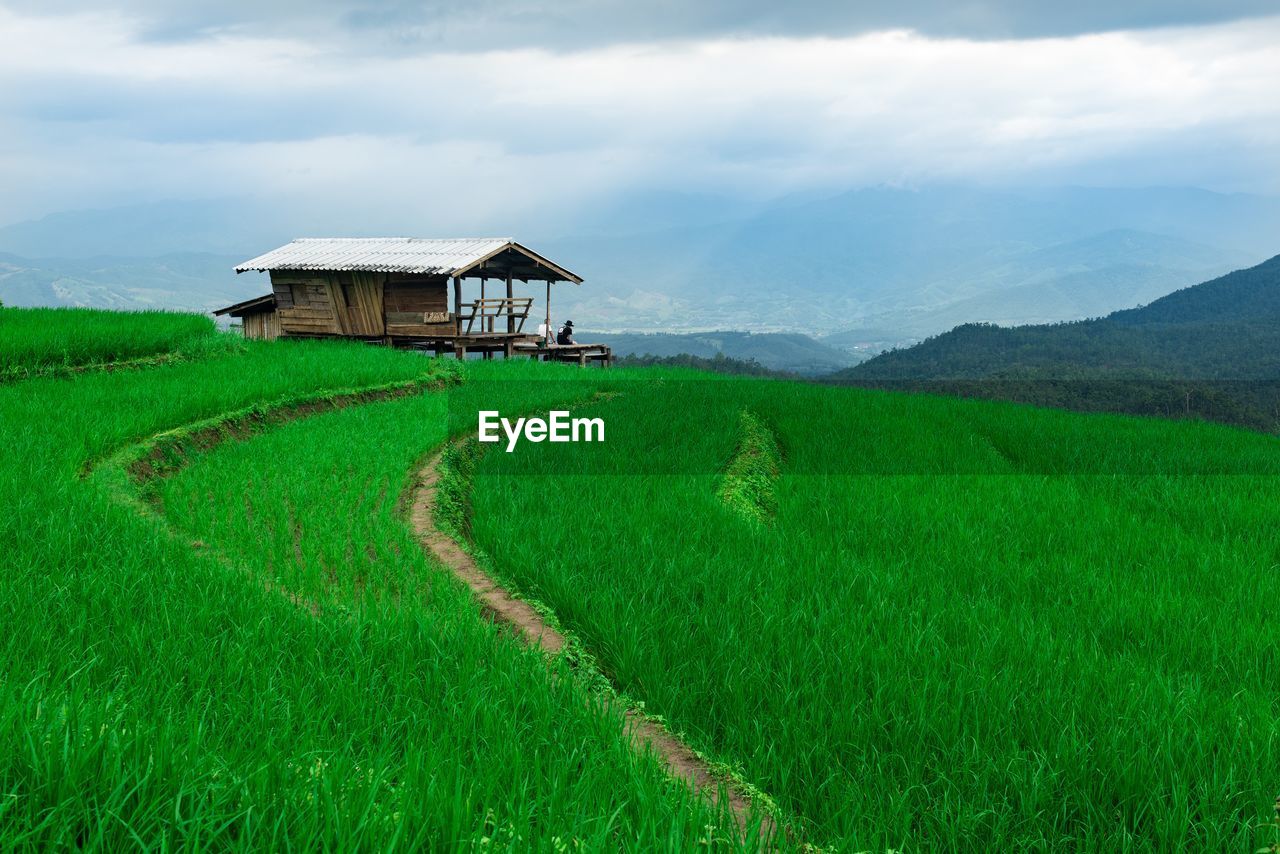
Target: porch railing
[[487, 311]]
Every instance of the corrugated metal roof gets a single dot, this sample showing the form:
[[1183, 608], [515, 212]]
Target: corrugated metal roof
[[379, 254]]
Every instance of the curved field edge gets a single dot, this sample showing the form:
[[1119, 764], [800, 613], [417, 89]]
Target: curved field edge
[[441, 504], [36, 342], [134, 472], [132, 469]]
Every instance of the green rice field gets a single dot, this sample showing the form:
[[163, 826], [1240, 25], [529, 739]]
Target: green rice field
[[42, 340], [965, 626], [914, 623], [155, 696]]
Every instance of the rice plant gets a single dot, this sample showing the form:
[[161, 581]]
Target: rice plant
[[43, 340], [965, 625], [970, 626], [153, 695]]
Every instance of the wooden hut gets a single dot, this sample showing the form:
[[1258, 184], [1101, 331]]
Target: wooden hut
[[258, 317], [402, 291]]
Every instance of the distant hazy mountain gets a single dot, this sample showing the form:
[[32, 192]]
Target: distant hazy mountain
[[1227, 328], [1212, 349], [1088, 277], [778, 351], [908, 262], [189, 281], [916, 263]]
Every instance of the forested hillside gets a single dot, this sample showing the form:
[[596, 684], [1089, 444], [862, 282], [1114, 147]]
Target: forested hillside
[[1211, 350]]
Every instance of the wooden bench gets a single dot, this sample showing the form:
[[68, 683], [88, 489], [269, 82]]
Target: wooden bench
[[580, 353]]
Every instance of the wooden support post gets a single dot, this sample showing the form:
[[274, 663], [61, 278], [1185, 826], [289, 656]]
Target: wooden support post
[[551, 333], [582, 358], [457, 304], [508, 348], [511, 320]]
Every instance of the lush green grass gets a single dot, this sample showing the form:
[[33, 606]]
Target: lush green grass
[[970, 626], [37, 340], [966, 625], [152, 694]]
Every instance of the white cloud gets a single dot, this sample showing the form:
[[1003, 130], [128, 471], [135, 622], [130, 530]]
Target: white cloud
[[93, 113]]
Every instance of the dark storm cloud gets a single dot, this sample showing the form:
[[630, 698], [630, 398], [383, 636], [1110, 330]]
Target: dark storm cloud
[[387, 105]]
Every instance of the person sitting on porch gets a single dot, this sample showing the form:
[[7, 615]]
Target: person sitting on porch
[[546, 331], [565, 335]]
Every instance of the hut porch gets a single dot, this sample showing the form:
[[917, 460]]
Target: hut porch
[[573, 353]]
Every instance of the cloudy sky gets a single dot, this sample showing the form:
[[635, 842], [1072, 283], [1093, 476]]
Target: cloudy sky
[[520, 105]]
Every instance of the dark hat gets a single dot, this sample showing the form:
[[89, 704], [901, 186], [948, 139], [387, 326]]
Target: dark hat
[[568, 323]]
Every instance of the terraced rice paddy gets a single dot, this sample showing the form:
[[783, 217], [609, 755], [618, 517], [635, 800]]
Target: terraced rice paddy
[[43, 340], [966, 626], [915, 623], [155, 694]]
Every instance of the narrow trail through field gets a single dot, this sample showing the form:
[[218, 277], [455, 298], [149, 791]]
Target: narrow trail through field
[[141, 464], [681, 761]]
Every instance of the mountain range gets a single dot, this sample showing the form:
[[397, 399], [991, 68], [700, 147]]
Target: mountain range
[[861, 270], [1211, 350], [190, 281], [777, 351]]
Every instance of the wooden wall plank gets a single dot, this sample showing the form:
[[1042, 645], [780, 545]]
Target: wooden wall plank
[[421, 329], [270, 325], [309, 313], [253, 327], [365, 307], [283, 293], [416, 295]]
